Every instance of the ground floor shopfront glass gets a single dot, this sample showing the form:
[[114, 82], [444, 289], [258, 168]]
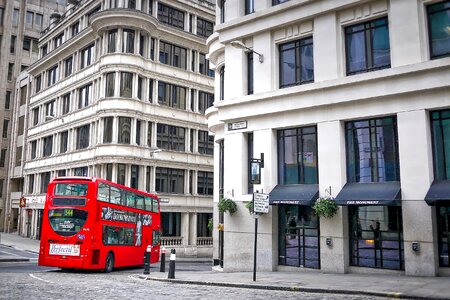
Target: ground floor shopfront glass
[[298, 236], [443, 217], [376, 237]]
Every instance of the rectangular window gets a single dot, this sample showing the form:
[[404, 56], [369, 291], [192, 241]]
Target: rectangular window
[[83, 137], [87, 56], [52, 75], [222, 83], [205, 100], [58, 40], [80, 171], [38, 83], [275, 2], [172, 55], [110, 84], [440, 128], [150, 90], [10, 71], [47, 146], [376, 237], [170, 16], [35, 116], [34, 46], [171, 137], [250, 73], [23, 95], [171, 223], [205, 183], [75, 28], [204, 27], [296, 62], [443, 222], [12, 45], [15, 18], [45, 180], [372, 150], [63, 141], [26, 43], [84, 96], [140, 87], [202, 64], [205, 143], [1, 15], [66, 104], [112, 40], [21, 126], [108, 129], [31, 183], [121, 172], [126, 84], [367, 46], [169, 180], [3, 158], [38, 21], [5, 128], [193, 60], [142, 44], [149, 133], [50, 109], [152, 48], [8, 100], [44, 50], [109, 170], [134, 178], [128, 41], [68, 66], [124, 130], [439, 29], [249, 6], [33, 149], [138, 132], [171, 95], [297, 156]]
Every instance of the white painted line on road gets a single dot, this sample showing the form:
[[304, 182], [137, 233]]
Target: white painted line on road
[[135, 278], [35, 277]]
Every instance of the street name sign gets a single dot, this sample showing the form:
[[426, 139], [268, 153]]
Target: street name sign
[[261, 203]]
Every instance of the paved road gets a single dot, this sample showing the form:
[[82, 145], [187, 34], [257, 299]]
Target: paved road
[[10, 252]]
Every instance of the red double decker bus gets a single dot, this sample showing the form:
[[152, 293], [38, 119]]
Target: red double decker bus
[[91, 223]]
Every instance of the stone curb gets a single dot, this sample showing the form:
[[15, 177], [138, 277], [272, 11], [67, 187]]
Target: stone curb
[[295, 289]]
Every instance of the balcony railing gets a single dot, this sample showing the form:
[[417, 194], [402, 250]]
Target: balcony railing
[[171, 240], [204, 241]]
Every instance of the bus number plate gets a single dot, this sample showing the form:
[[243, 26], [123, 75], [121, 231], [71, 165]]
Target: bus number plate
[[64, 249]]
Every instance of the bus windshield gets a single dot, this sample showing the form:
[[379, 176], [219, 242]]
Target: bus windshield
[[71, 189], [67, 221]]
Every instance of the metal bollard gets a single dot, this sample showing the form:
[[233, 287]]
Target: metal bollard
[[147, 260], [172, 264], [163, 260]]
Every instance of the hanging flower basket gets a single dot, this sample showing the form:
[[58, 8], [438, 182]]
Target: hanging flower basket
[[210, 224], [325, 207], [227, 205], [249, 206]]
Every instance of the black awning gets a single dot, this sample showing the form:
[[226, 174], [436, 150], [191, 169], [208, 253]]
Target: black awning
[[298, 194], [374, 193], [439, 191]]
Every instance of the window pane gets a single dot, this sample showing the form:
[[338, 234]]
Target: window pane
[[287, 67], [356, 58], [381, 47], [439, 24]]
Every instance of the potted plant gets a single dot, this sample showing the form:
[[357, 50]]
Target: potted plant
[[227, 205], [325, 207]]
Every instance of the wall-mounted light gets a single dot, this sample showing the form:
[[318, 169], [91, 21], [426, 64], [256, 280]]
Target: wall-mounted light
[[415, 246], [240, 45], [329, 242], [153, 151]]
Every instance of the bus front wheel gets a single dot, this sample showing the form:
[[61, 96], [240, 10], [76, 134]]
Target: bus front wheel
[[109, 265]]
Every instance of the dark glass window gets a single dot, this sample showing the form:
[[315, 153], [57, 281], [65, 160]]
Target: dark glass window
[[58, 40], [205, 100], [222, 83], [45, 180], [171, 137], [66, 104], [121, 171], [47, 147], [128, 41], [108, 129], [169, 180], [126, 84], [68, 64], [204, 27], [202, 225], [443, 220], [367, 46], [84, 96], [38, 82], [52, 75], [75, 28], [222, 11], [296, 62], [87, 56], [205, 183], [64, 140], [438, 28], [440, 123], [112, 40], [275, 2], [297, 156], [172, 55], [298, 239], [138, 132], [110, 84], [33, 149], [171, 95], [83, 137], [171, 223], [205, 143], [171, 16], [134, 182], [124, 130], [372, 150], [250, 73], [118, 235], [376, 237], [249, 6]]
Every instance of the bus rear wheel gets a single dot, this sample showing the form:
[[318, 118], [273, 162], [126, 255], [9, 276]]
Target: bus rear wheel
[[109, 265]]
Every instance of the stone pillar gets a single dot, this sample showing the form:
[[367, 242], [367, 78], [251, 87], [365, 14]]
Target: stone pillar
[[262, 43], [185, 228], [416, 173], [332, 175], [326, 50]]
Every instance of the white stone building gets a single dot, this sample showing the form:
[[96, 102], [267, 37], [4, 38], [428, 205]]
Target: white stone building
[[119, 92], [351, 99]]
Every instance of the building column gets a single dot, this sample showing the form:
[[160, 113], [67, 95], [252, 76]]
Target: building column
[[416, 173], [193, 229], [332, 176], [185, 228]]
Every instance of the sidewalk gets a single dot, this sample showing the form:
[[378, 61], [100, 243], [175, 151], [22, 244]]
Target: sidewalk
[[14, 241], [394, 286]]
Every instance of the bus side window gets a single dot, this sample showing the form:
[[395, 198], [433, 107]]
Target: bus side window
[[155, 205], [103, 192], [116, 195], [148, 203], [130, 197], [139, 201]]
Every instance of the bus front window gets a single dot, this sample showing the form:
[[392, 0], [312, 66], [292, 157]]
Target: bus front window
[[67, 221], [71, 189]]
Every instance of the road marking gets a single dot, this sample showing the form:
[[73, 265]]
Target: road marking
[[35, 277], [132, 277]]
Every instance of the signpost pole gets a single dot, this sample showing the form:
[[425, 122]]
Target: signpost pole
[[255, 247]]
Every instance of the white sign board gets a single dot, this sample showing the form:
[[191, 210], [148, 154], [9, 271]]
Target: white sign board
[[261, 203]]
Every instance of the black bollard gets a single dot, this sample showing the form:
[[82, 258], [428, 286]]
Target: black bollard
[[147, 260], [172, 264], [163, 260]]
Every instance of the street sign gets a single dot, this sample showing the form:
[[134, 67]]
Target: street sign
[[261, 203]]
